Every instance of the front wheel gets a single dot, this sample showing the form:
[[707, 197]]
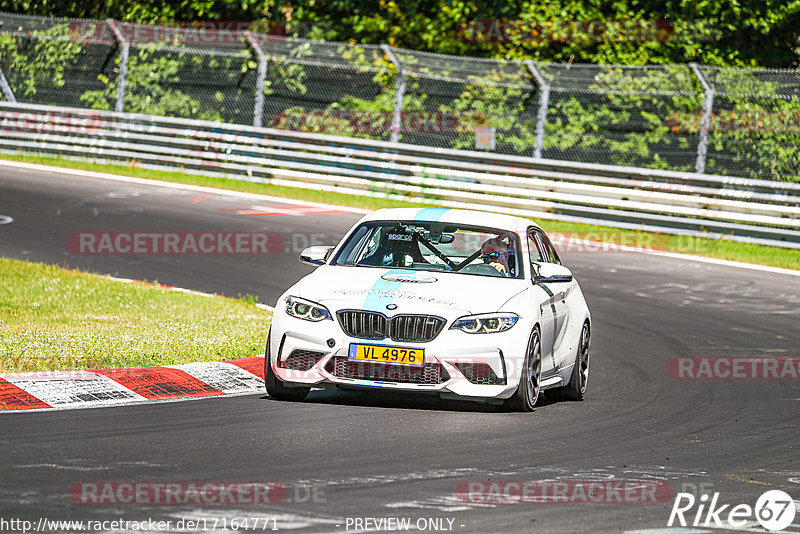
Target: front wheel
[[524, 399], [576, 389], [275, 387]]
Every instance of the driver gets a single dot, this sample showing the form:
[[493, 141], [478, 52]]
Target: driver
[[495, 253]]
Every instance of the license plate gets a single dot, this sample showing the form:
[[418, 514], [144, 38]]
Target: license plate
[[384, 354]]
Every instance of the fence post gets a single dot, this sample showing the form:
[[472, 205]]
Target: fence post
[[544, 102], [123, 64], [399, 93], [705, 122], [8, 94], [263, 65]]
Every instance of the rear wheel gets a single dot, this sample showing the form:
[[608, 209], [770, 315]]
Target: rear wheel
[[576, 389], [275, 387], [524, 399]]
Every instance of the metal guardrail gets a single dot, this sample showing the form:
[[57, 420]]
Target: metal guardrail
[[683, 203]]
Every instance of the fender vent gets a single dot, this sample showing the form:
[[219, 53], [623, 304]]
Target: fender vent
[[479, 373], [301, 360]]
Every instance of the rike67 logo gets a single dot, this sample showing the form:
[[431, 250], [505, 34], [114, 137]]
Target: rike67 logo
[[774, 510]]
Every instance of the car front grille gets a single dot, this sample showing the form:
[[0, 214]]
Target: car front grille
[[402, 328], [430, 373], [480, 373], [363, 324], [301, 360], [415, 328]]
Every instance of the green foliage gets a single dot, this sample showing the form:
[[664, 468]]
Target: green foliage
[[53, 50], [713, 32], [757, 131], [495, 101], [148, 87], [247, 298], [623, 118], [291, 76]]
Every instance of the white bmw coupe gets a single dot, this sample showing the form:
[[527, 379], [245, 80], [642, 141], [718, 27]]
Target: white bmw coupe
[[462, 304]]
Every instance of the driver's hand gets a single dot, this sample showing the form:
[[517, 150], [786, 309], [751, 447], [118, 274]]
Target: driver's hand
[[500, 267]]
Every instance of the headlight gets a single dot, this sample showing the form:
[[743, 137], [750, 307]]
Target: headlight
[[305, 309], [486, 323]]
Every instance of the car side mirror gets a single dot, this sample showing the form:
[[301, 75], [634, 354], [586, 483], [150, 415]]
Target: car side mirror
[[315, 255], [551, 273]]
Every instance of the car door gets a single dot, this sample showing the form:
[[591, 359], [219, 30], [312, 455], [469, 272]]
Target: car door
[[559, 291], [544, 299]]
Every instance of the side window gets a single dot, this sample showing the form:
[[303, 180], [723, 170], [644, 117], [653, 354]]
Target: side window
[[547, 247], [374, 241], [534, 249]]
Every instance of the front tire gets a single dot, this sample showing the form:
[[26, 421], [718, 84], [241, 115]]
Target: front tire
[[524, 399], [275, 387], [576, 389]]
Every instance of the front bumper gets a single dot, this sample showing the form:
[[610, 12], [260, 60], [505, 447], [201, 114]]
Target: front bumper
[[456, 363]]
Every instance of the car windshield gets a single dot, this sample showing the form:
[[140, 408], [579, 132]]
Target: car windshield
[[433, 246]]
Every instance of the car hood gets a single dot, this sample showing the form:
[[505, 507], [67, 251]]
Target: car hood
[[374, 288]]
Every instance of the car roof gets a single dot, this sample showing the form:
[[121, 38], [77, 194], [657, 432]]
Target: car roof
[[456, 216]]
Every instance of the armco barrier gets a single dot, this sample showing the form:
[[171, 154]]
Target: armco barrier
[[740, 209]]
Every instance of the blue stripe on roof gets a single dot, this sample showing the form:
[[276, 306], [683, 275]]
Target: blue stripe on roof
[[430, 214]]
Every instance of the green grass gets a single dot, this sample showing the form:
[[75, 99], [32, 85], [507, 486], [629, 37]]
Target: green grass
[[714, 248], [54, 319]]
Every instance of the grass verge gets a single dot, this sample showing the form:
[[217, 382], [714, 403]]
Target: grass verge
[[54, 319], [576, 234]]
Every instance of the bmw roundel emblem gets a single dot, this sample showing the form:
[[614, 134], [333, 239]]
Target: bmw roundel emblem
[[391, 306]]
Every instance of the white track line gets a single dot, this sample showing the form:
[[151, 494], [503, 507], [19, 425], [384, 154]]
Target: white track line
[[280, 200], [597, 245], [727, 263], [178, 289], [173, 185]]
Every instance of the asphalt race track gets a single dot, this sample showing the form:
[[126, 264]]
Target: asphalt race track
[[347, 455]]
